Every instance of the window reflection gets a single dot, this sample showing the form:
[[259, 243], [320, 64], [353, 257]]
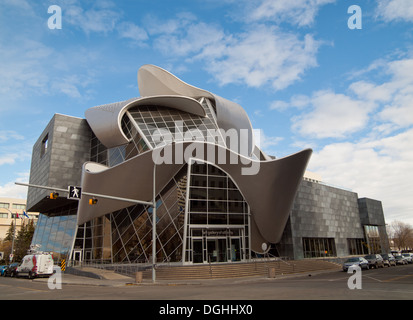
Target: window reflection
[[55, 234]]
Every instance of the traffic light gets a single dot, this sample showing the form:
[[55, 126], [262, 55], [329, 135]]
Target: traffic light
[[93, 201], [53, 195]]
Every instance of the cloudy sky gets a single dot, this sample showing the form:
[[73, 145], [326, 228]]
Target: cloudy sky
[[304, 71]]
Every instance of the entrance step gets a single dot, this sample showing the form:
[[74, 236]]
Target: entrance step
[[238, 270]]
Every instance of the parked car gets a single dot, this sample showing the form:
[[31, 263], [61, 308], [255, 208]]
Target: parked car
[[357, 261], [389, 258], [2, 268], [35, 265], [11, 270], [375, 260], [400, 260], [408, 257]]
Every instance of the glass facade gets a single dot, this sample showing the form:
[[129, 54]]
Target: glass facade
[[218, 218], [373, 238], [158, 125], [319, 247], [55, 233], [217, 215], [202, 217], [125, 236], [357, 246]]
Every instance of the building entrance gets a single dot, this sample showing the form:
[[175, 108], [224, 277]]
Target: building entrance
[[218, 246], [217, 250]]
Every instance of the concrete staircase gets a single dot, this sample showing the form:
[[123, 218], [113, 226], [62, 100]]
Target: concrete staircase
[[239, 270]]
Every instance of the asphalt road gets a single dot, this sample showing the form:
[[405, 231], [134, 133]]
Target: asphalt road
[[384, 283]]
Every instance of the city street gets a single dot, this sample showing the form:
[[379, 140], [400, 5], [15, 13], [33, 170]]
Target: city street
[[385, 283]]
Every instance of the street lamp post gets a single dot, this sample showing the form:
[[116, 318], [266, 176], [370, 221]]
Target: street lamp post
[[154, 226], [154, 220]]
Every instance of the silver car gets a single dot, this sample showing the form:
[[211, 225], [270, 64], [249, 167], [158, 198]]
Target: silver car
[[400, 260], [357, 261], [408, 257]]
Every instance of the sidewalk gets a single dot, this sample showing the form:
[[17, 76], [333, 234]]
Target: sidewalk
[[98, 277]]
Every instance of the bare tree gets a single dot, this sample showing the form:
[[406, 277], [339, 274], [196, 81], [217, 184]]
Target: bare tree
[[402, 235]]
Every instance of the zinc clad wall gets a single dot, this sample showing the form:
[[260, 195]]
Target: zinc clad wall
[[60, 164], [40, 165], [322, 211], [371, 212]]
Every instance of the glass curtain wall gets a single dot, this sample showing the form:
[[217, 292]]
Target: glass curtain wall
[[219, 214], [373, 238], [319, 247], [357, 246], [125, 236], [160, 125], [55, 233], [218, 218]]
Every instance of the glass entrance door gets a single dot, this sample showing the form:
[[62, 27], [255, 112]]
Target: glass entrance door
[[217, 249], [198, 249], [217, 245], [236, 249], [77, 257]]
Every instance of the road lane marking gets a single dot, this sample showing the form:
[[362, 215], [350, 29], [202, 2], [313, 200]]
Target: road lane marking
[[398, 278]]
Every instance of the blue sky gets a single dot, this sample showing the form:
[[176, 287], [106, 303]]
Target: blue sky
[[304, 77]]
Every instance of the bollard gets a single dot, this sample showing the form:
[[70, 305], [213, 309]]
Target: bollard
[[138, 277], [271, 272]]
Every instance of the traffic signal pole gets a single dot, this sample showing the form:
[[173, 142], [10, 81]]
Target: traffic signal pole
[[96, 195], [94, 201]]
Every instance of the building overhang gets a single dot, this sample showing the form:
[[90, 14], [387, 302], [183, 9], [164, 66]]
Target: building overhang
[[269, 192], [105, 120]]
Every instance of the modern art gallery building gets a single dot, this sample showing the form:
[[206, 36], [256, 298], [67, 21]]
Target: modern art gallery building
[[190, 154]]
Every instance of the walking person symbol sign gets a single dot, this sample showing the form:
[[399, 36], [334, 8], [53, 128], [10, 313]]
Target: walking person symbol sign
[[75, 193]]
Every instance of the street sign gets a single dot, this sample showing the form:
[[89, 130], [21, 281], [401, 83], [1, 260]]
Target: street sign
[[75, 193]]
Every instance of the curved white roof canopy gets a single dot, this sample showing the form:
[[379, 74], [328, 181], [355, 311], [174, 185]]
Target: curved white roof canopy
[[269, 193], [105, 120], [153, 80]]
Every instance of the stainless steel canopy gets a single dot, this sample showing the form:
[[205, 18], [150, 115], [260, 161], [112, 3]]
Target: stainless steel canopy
[[269, 192]]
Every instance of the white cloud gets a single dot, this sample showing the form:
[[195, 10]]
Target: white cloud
[[279, 105], [396, 94], [262, 55], [380, 169], [379, 165], [296, 12], [10, 154], [327, 114], [190, 38], [298, 101], [133, 32], [9, 134], [101, 17], [332, 115], [264, 142], [11, 190], [21, 69], [156, 26], [8, 159], [390, 10], [30, 68]]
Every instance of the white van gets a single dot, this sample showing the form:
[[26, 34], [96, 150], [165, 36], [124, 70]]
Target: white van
[[35, 265]]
